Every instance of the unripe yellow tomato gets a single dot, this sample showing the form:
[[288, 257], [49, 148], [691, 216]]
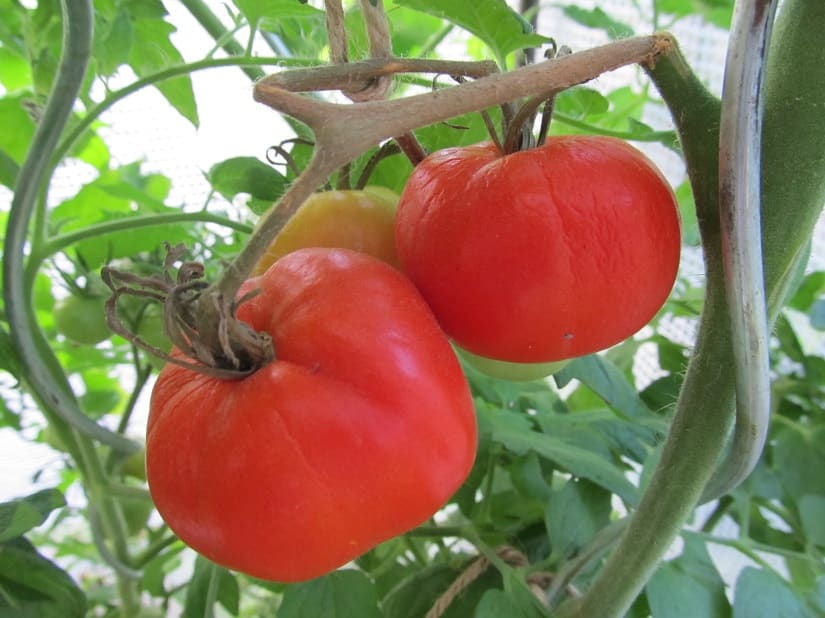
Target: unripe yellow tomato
[[360, 220]]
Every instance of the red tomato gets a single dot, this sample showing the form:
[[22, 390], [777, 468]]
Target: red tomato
[[541, 255], [360, 430]]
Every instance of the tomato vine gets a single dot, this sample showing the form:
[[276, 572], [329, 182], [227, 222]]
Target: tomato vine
[[719, 374]]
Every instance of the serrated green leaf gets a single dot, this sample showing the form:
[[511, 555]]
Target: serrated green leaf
[[761, 594], [581, 102], [153, 51], [689, 585], [35, 586], [247, 175], [341, 594], [19, 516], [515, 433], [574, 514], [605, 379], [113, 42], [493, 21]]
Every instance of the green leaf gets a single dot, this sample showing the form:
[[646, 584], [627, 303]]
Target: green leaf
[[514, 433], [15, 72], [608, 381], [113, 41], [596, 18], [118, 194], [152, 51], [762, 594], [581, 102], [677, 8], [247, 175], [798, 459], [516, 602], [272, 11], [809, 292], [689, 585], [574, 514], [15, 144], [44, 38], [812, 514], [687, 213], [493, 21], [34, 586], [341, 594], [19, 516]]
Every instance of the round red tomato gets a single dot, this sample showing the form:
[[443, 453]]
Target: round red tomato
[[361, 220], [360, 430], [541, 255]]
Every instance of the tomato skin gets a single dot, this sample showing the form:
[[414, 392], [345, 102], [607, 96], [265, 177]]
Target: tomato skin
[[360, 220], [81, 319], [542, 255], [360, 430]]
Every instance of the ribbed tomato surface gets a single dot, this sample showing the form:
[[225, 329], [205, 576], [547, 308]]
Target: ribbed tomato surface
[[360, 430], [541, 255]]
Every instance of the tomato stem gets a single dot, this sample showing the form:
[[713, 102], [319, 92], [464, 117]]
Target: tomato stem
[[387, 149], [344, 132]]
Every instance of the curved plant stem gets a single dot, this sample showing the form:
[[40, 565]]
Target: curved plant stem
[[740, 134], [41, 368], [597, 547], [58, 243], [704, 411]]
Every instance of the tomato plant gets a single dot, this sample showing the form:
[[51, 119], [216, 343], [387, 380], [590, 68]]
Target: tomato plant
[[80, 318], [360, 429], [582, 480], [361, 220], [544, 254]]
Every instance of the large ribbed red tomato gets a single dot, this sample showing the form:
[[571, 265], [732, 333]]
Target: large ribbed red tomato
[[543, 254], [360, 430]]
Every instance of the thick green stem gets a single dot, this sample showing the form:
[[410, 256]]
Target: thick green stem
[[689, 456], [704, 411], [793, 160], [793, 185], [42, 369]]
